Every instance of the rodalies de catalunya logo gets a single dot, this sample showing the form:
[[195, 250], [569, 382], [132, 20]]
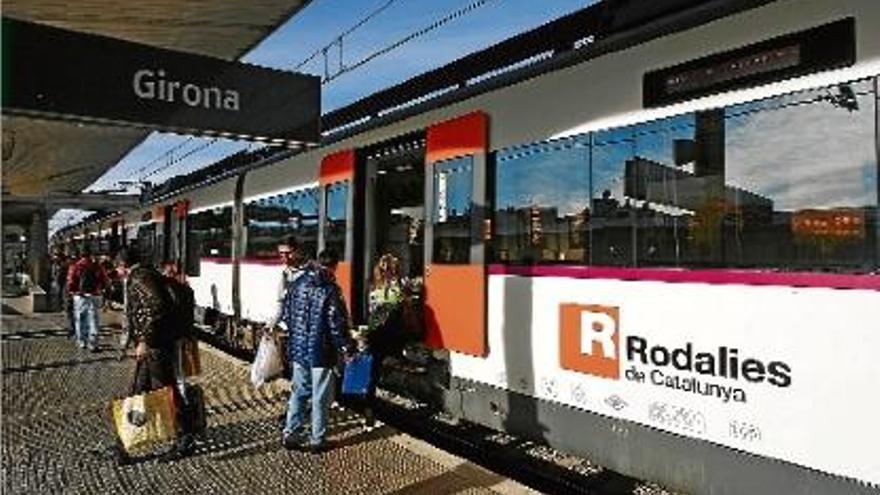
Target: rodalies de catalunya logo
[[590, 343]]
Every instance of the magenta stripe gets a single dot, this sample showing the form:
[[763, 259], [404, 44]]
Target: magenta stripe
[[220, 260], [720, 277], [225, 260], [262, 261]]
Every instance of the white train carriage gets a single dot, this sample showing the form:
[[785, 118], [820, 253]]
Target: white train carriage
[[655, 245]]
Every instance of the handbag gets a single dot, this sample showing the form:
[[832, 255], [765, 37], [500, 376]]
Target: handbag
[[190, 360], [145, 419]]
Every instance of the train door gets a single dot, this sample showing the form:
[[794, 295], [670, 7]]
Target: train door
[[455, 197], [394, 213], [177, 238], [166, 242]]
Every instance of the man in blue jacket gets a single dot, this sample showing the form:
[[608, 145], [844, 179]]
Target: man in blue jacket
[[317, 324]]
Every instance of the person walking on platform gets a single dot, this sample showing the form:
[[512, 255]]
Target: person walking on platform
[[66, 264], [154, 310], [292, 256], [86, 281], [317, 322], [58, 277], [124, 261]]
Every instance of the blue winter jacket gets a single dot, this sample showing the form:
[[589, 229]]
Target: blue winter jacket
[[316, 319]]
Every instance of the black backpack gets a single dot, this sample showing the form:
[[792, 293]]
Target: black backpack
[[88, 279]]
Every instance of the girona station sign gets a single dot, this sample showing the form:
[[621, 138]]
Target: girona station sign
[[55, 73]]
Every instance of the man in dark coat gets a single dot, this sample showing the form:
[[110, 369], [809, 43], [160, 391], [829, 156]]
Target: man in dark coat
[[317, 325]]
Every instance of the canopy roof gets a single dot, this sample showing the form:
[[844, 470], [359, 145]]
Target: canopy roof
[[41, 156]]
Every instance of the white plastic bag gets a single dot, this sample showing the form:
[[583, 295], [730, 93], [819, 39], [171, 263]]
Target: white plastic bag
[[267, 364]]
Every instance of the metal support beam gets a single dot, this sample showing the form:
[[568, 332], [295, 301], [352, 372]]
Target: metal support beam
[[38, 249], [81, 201]]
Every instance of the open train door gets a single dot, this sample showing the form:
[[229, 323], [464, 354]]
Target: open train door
[[455, 197]]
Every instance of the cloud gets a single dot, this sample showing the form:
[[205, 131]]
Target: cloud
[[806, 156]]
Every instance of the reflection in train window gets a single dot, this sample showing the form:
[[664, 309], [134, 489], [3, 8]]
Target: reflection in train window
[[542, 203], [453, 183], [211, 232], [336, 214], [788, 183], [269, 221], [804, 167], [612, 220]]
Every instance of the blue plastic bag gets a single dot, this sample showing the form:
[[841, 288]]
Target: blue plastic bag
[[356, 378]]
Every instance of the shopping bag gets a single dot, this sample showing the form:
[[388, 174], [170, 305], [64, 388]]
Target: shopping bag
[[145, 419], [191, 361], [267, 364], [356, 378]]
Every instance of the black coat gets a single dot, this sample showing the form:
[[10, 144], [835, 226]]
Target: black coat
[[150, 310]]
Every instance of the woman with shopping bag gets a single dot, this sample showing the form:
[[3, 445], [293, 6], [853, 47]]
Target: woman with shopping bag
[[154, 312]]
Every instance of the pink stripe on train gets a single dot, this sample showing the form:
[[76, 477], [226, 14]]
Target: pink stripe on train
[[675, 275]]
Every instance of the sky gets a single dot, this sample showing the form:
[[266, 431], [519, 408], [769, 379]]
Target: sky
[[317, 26]]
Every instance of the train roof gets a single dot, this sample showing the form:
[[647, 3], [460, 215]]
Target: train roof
[[600, 29]]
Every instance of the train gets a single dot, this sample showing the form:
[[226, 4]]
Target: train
[[646, 233]]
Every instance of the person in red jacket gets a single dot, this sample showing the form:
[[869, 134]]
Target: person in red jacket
[[86, 281]]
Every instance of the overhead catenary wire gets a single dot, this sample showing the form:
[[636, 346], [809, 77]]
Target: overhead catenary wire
[[324, 49], [338, 39], [406, 39], [163, 155], [180, 158]]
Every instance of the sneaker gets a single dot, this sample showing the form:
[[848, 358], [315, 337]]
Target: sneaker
[[290, 442], [93, 348], [318, 448]]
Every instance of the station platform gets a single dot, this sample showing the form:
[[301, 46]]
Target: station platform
[[57, 436]]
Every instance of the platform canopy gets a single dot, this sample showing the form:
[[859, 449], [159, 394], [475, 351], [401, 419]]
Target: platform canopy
[[43, 155]]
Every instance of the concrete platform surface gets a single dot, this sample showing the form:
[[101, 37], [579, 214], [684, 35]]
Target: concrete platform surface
[[57, 437]]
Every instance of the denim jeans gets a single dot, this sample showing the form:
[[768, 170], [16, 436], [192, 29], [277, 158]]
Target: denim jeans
[[316, 383], [86, 318]]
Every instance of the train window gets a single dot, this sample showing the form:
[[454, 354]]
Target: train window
[[453, 183], [801, 175], [542, 204], [789, 182], [336, 213], [675, 183], [210, 231], [613, 212], [146, 242], [270, 220]]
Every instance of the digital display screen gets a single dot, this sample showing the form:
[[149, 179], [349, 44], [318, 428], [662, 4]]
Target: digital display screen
[[749, 65], [825, 47]]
